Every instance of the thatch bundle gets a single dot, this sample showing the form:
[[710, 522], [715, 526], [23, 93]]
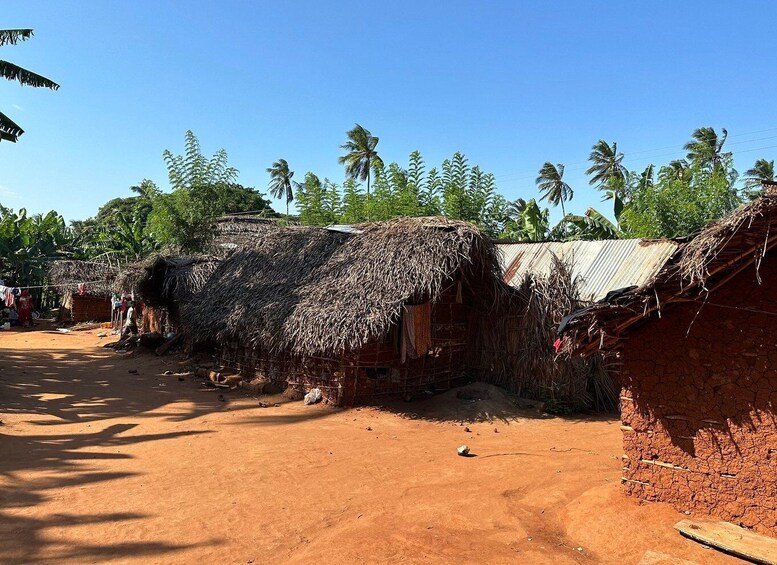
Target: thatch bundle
[[727, 239], [315, 291], [535, 369], [66, 275]]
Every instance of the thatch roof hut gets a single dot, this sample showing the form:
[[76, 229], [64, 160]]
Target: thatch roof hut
[[97, 277], [316, 291], [327, 307], [91, 302]]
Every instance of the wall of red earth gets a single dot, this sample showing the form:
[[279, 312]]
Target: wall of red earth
[[699, 401], [351, 378], [89, 308]]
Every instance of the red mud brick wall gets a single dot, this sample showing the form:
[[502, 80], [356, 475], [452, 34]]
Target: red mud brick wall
[[89, 308], [698, 405]]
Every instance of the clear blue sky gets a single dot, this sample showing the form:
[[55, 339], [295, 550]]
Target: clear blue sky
[[510, 84]]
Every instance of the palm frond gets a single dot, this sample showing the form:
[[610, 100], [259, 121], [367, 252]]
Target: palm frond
[[14, 36], [9, 130], [25, 77]]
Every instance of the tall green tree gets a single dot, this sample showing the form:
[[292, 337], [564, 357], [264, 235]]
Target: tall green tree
[[761, 171], [552, 187], [9, 130], [202, 188], [706, 147], [677, 206], [607, 171], [362, 154], [280, 182]]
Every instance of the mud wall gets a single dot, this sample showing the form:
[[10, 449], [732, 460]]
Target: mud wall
[[374, 372], [698, 404], [89, 308]]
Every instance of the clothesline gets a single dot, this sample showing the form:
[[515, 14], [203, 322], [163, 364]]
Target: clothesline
[[53, 285]]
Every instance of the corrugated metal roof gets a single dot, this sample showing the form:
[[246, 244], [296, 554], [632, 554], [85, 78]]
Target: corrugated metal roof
[[602, 266]]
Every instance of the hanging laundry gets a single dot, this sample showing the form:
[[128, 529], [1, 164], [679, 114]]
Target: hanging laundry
[[416, 331], [9, 297], [81, 289]]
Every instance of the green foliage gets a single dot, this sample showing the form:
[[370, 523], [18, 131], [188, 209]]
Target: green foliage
[[606, 170], [361, 155], [9, 130], [318, 202], [280, 181], [529, 222], [202, 189], [591, 225], [705, 150], [679, 205], [552, 187], [29, 243], [761, 171]]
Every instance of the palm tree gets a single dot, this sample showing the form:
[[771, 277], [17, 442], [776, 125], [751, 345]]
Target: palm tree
[[677, 169], [706, 147], [516, 208], [762, 170], [552, 187], [280, 182], [361, 156], [606, 167], [9, 130]]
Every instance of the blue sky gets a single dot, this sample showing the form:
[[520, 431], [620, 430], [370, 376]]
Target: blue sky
[[510, 84]]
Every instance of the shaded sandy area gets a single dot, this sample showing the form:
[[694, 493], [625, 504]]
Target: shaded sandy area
[[100, 464]]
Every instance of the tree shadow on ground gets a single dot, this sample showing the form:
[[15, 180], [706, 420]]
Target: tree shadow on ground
[[61, 387]]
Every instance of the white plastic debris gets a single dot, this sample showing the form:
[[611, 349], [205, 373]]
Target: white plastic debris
[[313, 396]]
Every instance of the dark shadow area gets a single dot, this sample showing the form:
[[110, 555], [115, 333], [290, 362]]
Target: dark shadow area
[[91, 385], [80, 386], [481, 402]]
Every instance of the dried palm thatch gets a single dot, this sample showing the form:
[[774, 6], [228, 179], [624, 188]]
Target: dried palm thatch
[[233, 233], [168, 281], [129, 276], [312, 291], [720, 252], [66, 275], [538, 371]]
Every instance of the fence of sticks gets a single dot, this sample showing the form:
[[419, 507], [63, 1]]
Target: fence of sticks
[[518, 352]]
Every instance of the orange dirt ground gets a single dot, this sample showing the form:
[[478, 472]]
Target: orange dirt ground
[[99, 464]]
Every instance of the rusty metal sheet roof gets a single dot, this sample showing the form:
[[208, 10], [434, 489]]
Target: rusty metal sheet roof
[[602, 266]]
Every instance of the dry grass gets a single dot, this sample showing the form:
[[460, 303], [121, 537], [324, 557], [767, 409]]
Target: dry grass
[[558, 377]]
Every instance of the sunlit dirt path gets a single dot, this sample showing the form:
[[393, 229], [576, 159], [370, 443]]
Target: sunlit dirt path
[[99, 464]]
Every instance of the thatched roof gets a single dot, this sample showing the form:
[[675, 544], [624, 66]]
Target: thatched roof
[[173, 280], [233, 233], [66, 275], [317, 291], [706, 262]]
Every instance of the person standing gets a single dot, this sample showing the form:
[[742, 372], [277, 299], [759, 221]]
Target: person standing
[[130, 322], [25, 309]]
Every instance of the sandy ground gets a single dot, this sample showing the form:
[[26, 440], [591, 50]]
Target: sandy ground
[[99, 464]]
